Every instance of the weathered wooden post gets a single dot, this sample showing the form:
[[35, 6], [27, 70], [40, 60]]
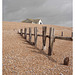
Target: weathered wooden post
[[61, 33], [51, 40], [25, 33], [72, 34], [21, 32], [44, 37], [35, 36], [30, 35], [66, 61]]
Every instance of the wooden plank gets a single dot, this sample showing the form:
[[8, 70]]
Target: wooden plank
[[30, 35], [44, 37], [61, 33], [37, 34], [21, 31], [51, 40], [64, 38], [25, 33], [56, 37]]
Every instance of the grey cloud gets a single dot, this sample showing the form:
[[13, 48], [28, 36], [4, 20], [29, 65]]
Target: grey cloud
[[14, 5], [58, 12]]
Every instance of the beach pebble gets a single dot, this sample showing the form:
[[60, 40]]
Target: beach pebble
[[61, 74]]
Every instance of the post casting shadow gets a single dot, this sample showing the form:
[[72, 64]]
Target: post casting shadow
[[40, 50]]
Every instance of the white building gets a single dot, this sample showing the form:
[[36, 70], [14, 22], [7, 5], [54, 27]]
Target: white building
[[33, 21]]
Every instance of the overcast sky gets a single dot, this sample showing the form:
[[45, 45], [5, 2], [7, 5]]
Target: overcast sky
[[56, 12]]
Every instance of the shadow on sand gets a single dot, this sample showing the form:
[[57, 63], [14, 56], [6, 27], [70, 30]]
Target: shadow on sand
[[40, 51], [32, 46]]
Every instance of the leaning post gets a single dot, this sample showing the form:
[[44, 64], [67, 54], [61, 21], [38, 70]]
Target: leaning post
[[51, 40], [25, 33], [35, 36], [21, 32], [44, 37], [61, 33], [72, 34], [30, 35]]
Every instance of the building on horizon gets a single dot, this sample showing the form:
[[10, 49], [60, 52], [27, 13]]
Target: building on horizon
[[33, 21]]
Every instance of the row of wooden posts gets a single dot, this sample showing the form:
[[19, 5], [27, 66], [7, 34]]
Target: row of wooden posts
[[51, 37]]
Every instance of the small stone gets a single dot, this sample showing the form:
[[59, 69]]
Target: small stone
[[44, 48], [61, 74]]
